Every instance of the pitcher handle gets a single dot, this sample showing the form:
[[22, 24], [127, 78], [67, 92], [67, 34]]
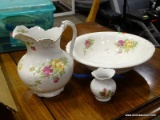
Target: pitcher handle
[[72, 25]]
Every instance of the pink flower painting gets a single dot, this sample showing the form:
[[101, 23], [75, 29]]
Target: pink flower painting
[[47, 70], [120, 43], [52, 70], [126, 45], [56, 80], [105, 93], [88, 43]]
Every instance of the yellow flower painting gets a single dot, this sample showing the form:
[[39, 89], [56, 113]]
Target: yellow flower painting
[[52, 69], [126, 45]]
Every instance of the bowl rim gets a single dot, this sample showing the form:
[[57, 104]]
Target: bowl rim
[[118, 66]]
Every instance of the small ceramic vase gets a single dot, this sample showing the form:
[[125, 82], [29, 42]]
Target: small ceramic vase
[[103, 86]]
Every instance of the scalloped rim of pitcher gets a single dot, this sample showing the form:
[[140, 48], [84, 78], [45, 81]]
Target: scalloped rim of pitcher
[[42, 32]]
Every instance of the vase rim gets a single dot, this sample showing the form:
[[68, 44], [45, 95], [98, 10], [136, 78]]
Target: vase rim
[[103, 73]]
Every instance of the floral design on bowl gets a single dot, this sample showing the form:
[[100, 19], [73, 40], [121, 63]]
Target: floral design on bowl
[[126, 45], [88, 43], [119, 51]]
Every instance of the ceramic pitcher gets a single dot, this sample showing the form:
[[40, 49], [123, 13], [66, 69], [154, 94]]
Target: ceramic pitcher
[[45, 68], [103, 86]]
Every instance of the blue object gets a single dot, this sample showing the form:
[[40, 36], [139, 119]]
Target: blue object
[[19, 7], [82, 75], [77, 75], [26, 12], [23, 12]]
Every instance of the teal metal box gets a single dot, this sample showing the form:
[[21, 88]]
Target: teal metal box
[[23, 12]]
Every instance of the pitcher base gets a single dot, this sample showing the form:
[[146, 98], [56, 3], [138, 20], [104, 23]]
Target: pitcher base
[[49, 94]]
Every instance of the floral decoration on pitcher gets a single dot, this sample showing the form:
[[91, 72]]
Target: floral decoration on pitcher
[[20, 64], [88, 43], [126, 45], [31, 45], [41, 45], [53, 69], [22, 31], [105, 93]]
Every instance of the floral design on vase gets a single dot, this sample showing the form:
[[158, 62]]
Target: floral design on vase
[[126, 45], [88, 43], [105, 93], [53, 69]]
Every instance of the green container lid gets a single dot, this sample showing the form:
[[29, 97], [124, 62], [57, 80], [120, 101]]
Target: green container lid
[[16, 7]]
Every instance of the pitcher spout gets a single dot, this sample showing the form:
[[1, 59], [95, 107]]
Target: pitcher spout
[[19, 31]]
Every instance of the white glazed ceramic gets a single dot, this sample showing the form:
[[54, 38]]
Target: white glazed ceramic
[[45, 68], [116, 50], [103, 86]]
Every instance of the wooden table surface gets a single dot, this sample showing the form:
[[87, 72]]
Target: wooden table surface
[[137, 90]]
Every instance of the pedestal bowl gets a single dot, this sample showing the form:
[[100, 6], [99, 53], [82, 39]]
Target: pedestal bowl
[[115, 50]]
